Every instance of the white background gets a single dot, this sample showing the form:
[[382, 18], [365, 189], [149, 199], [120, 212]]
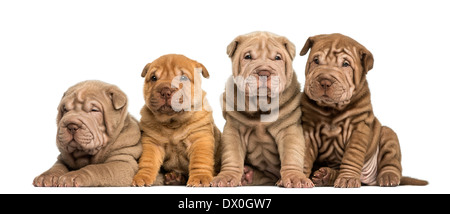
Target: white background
[[47, 46]]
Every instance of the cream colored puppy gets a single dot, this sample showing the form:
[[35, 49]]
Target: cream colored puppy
[[97, 138], [261, 106]]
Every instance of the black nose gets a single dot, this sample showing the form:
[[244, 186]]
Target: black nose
[[73, 128], [166, 93], [325, 83]]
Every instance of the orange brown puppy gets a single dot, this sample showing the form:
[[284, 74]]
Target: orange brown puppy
[[178, 131]]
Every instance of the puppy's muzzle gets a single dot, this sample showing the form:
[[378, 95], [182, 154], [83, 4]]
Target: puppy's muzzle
[[263, 73], [166, 93], [325, 83], [73, 128]]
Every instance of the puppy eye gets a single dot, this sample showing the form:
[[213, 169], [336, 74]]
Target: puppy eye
[[184, 78], [248, 56], [316, 60], [153, 78], [64, 109], [278, 57], [95, 110], [345, 64]]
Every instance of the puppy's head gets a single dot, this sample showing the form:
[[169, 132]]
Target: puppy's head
[[336, 68], [173, 86], [89, 115], [262, 62]]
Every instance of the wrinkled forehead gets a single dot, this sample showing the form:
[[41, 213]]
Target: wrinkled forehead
[[261, 43], [169, 67], [84, 99], [334, 49]]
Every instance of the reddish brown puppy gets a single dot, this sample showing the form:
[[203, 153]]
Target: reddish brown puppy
[[342, 134]]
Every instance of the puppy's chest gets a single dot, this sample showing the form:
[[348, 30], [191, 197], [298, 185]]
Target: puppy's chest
[[340, 131], [262, 150], [176, 153], [330, 137]]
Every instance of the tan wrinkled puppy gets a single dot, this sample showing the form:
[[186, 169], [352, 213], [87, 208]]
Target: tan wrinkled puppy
[[97, 137], [261, 106], [178, 132], [343, 136]]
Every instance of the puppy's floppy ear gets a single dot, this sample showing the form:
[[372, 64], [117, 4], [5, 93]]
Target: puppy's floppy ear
[[290, 47], [118, 98], [366, 59], [145, 70], [308, 44], [205, 72], [114, 119], [231, 48]]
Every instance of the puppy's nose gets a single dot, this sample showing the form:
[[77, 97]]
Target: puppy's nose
[[325, 83], [166, 93], [264, 73], [73, 128]]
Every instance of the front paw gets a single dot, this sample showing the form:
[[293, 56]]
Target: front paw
[[73, 179], [227, 180], [199, 180], [46, 180], [347, 182], [143, 179], [294, 179]]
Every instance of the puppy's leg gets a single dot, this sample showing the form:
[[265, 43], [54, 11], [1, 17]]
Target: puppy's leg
[[389, 159], [50, 177], [291, 147], [201, 159], [311, 150], [353, 158], [150, 162], [232, 159], [110, 173]]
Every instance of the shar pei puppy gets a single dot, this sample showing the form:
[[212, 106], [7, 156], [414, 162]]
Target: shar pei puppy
[[97, 138], [261, 105], [346, 143], [178, 132]]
